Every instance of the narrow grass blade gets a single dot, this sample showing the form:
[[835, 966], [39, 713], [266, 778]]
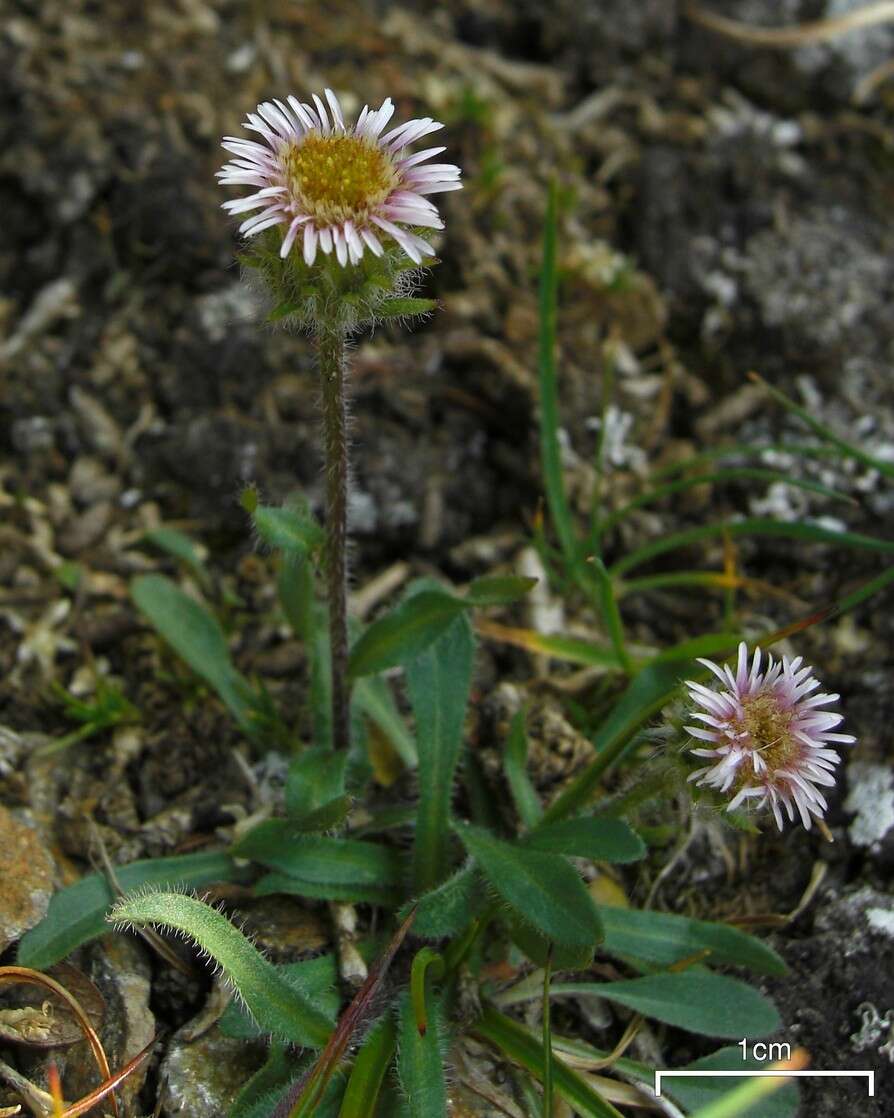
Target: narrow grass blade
[[570, 649], [523, 1048], [721, 477], [751, 526], [368, 1073], [550, 450], [847, 449]]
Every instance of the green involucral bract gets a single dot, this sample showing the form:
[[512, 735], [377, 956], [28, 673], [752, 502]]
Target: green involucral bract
[[278, 1007], [324, 294]]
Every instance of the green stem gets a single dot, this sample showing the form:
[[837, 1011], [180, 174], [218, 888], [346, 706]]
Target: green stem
[[331, 348]]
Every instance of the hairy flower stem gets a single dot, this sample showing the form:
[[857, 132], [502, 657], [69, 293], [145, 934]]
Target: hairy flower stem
[[331, 349]]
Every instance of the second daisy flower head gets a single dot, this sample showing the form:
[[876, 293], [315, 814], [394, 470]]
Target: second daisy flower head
[[335, 187]]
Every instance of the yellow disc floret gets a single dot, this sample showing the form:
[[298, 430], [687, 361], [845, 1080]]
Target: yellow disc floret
[[768, 725], [338, 178]]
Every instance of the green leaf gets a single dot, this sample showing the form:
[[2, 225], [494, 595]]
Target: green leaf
[[522, 1047], [734, 473], [751, 526], [326, 817], [542, 951], [845, 448], [446, 910], [368, 1073], [498, 590], [77, 913], [196, 636], [438, 683], [319, 866], [694, 999], [420, 1064], [179, 545], [550, 450], [283, 310], [315, 777], [541, 889], [646, 694], [405, 633], [372, 697], [289, 529], [665, 939], [405, 308], [515, 760], [603, 840], [277, 1006], [315, 979], [259, 1095]]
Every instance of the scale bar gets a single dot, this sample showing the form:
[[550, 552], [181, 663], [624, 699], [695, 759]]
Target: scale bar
[[667, 1074]]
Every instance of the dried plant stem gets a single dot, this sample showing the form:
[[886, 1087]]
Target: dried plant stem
[[331, 348]]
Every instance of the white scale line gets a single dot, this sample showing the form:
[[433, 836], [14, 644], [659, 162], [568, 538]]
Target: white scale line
[[659, 1075]]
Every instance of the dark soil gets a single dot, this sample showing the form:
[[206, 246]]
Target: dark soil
[[725, 209]]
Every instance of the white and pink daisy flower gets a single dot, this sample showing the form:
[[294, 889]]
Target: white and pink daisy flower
[[767, 738], [337, 187]]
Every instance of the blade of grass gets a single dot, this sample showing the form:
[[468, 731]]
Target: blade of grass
[[743, 450], [751, 526], [718, 477], [547, 1040], [550, 450], [525, 1049], [824, 432]]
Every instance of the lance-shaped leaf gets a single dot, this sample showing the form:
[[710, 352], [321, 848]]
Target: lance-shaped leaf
[[323, 867], [446, 910], [420, 1062], [280, 1008], [541, 889], [438, 683], [664, 938], [603, 840], [696, 1000], [405, 633], [77, 913], [290, 529], [196, 636]]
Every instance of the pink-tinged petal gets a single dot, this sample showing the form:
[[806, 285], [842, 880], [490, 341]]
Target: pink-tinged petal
[[289, 239], [372, 242], [413, 160], [301, 113], [321, 113], [341, 247], [278, 220], [335, 108], [326, 240], [378, 119], [354, 242], [403, 238], [412, 216], [438, 188], [310, 245], [257, 218]]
